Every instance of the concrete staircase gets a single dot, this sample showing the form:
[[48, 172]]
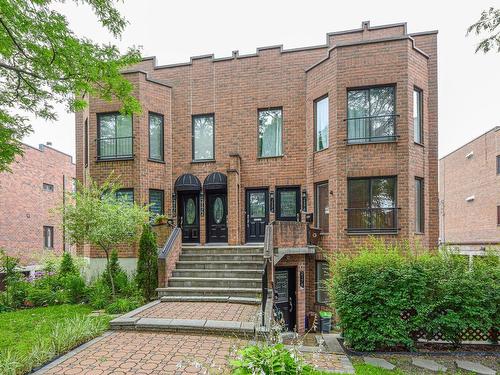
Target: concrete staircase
[[216, 273]]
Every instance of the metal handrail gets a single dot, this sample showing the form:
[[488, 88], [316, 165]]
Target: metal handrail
[[169, 243], [268, 261], [113, 145]]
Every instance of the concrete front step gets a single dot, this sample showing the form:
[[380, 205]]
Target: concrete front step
[[221, 257], [225, 299], [236, 273], [220, 265], [214, 282], [197, 291], [222, 250]]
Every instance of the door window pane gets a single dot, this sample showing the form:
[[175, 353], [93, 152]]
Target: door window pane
[[218, 210], [203, 137], [115, 135], [321, 123], [370, 115], [417, 116], [270, 132], [156, 202], [372, 204], [156, 137], [190, 211], [258, 205], [287, 199], [322, 276], [322, 208]]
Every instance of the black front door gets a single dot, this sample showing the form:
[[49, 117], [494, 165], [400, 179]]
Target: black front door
[[189, 217], [288, 204], [216, 217], [257, 214], [284, 296]]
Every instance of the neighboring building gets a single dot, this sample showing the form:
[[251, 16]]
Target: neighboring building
[[469, 193], [346, 131], [29, 227]]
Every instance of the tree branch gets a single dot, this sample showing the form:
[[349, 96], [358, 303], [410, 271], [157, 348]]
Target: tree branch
[[13, 38]]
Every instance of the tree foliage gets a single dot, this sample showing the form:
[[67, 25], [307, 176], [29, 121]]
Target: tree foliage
[[147, 263], [43, 62], [489, 24], [97, 217]]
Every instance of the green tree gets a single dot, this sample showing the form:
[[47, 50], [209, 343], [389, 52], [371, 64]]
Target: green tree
[[67, 266], [488, 23], [147, 263], [98, 218], [43, 62]]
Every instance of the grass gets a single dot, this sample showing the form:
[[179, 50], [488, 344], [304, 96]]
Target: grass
[[365, 369], [33, 337]]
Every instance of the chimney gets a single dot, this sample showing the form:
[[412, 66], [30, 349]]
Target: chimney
[[48, 144]]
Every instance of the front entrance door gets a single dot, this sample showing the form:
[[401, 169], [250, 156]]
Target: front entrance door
[[189, 217], [216, 217], [257, 210], [288, 203], [284, 296]]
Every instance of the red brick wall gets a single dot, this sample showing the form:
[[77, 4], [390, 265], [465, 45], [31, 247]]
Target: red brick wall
[[25, 208], [461, 177]]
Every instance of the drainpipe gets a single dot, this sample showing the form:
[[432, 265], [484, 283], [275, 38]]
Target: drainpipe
[[64, 211]]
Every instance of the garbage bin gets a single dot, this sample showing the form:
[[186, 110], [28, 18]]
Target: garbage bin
[[314, 235], [325, 321]]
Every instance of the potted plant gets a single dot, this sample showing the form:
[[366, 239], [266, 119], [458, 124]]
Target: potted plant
[[160, 219]]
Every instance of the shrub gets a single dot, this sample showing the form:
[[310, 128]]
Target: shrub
[[15, 284], [74, 288], [269, 359], [99, 294], [123, 305], [67, 266], [375, 289], [38, 296], [147, 263]]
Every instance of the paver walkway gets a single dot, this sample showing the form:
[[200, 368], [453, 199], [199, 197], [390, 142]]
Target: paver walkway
[[135, 352], [234, 312]]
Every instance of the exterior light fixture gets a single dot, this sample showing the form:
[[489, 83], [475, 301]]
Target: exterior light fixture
[[271, 201], [202, 204], [304, 200], [174, 204]]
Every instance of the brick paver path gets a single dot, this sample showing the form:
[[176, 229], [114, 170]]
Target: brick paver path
[[152, 353], [234, 312]]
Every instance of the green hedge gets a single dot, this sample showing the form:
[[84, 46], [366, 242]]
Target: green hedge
[[373, 290]]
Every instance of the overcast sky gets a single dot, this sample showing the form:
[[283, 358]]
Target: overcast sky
[[469, 83]]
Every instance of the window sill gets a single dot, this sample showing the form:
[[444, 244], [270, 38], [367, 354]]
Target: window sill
[[125, 158], [323, 149], [370, 143], [203, 161], [372, 232], [325, 304], [269, 157], [419, 144], [156, 161], [419, 233]]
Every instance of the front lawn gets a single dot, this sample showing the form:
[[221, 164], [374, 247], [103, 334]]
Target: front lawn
[[32, 337]]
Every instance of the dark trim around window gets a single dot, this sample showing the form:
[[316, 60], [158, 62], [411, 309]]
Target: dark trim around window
[[280, 108], [116, 157], [419, 205], [421, 115], [193, 117], [162, 195], [48, 237], [498, 164], [318, 287], [316, 205], [498, 215], [86, 140], [394, 209], [279, 191], [162, 136], [315, 103]]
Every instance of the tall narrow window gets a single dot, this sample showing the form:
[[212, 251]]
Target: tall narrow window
[[498, 215], [156, 202], [417, 116], [86, 140], [114, 136], [48, 187], [270, 132], [498, 164], [125, 195], [321, 123], [371, 115], [48, 237], [203, 137], [322, 276], [288, 204], [321, 207], [419, 205], [371, 204], [155, 136]]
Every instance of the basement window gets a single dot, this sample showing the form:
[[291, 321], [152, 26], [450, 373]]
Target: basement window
[[48, 187]]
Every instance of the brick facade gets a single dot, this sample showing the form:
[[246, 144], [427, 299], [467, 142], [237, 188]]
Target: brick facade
[[25, 207], [469, 193], [236, 87]]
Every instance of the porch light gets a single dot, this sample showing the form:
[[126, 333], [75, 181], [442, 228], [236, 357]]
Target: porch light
[[202, 203], [304, 200], [174, 204], [271, 201]]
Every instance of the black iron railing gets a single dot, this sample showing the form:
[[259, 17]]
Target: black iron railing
[[366, 129], [114, 148], [264, 291], [372, 219]]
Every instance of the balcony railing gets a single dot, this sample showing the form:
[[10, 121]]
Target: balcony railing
[[114, 148], [360, 220], [368, 129]]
